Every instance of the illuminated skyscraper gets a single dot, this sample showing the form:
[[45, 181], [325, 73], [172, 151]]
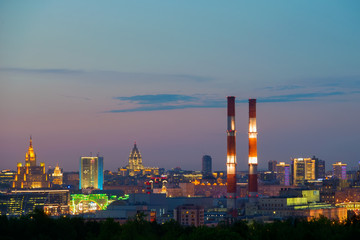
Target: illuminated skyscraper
[[91, 172], [309, 169], [31, 175], [339, 170], [283, 173], [302, 169]]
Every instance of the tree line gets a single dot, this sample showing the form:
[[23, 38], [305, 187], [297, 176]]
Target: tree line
[[40, 226]]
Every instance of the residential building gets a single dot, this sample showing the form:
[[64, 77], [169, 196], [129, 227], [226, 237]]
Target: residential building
[[189, 215]]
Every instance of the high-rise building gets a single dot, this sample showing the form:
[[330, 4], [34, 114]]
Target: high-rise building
[[309, 169], [302, 169], [206, 165], [31, 175], [298, 171], [57, 176], [272, 165], [91, 172], [283, 173], [135, 161], [319, 168], [339, 170]]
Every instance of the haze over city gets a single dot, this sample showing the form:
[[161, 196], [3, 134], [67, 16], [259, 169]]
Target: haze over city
[[85, 77]]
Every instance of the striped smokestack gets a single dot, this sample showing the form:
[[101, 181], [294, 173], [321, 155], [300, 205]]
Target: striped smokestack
[[231, 155], [253, 162]]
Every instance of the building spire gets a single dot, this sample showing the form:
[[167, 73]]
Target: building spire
[[135, 160], [30, 156]]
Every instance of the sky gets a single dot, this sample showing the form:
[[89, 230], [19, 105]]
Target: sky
[[88, 77]]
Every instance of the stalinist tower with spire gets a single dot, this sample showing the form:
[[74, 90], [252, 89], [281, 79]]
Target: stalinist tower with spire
[[31, 175], [135, 161], [30, 156]]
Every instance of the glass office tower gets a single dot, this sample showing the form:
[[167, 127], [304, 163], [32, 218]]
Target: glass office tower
[[91, 172]]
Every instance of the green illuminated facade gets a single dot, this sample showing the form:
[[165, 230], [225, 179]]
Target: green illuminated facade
[[81, 203]]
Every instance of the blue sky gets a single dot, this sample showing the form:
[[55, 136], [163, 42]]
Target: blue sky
[[90, 76]]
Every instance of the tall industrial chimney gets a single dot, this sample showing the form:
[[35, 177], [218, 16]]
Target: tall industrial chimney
[[231, 155], [253, 162]]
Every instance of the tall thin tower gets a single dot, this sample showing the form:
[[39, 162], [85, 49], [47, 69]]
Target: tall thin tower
[[231, 155], [253, 161]]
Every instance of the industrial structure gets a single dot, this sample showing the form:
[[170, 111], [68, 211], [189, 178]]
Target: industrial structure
[[231, 155], [253, 161], [305, 204]]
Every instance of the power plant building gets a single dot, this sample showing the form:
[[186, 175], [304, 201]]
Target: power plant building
[[91, 172], [231, 156], [306, 206], [253, 160]]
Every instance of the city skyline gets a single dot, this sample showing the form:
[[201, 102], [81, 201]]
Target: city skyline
[[88, 77]]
